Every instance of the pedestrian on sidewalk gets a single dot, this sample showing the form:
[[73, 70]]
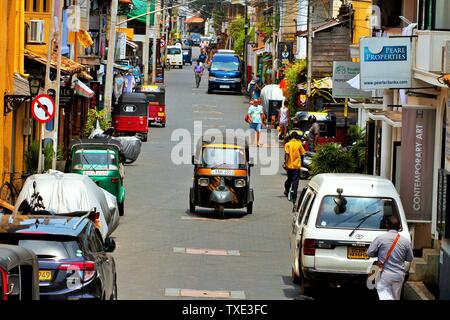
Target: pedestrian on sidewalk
[[293, 158], [257, 118], [283, 119], [392, 276]]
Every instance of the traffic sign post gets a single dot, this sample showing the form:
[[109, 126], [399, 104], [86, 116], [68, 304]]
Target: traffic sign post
[[43, 108]]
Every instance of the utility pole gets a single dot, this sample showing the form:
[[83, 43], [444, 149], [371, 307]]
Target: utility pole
[[154, 47], [145, 51], [246, 45], [274, 39], [111, 56], [56, 34], [309, 58]]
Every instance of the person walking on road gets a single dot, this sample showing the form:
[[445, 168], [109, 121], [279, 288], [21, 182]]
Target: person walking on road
[[257, 119], [198, 72], [202, 57], [314, 133], [283, 118], [392, 276], [294, 153]]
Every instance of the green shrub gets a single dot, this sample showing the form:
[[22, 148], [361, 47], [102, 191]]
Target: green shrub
[[332, 158], [48, 154], [32, 157]]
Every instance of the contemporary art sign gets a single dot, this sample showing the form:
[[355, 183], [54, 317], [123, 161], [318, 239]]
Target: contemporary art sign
[[417, 152], [385, 63], [344, 71]]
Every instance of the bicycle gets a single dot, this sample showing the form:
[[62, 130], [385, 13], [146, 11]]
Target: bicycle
[[198, 79], [8, 191]]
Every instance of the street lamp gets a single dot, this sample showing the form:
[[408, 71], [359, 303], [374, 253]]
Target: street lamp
[[14, 101], [35, 83]]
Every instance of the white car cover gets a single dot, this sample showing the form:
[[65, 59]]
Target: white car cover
[[68, 192], [270, 92]]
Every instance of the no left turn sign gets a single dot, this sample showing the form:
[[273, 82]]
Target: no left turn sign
[[163, 43], [43, 108]]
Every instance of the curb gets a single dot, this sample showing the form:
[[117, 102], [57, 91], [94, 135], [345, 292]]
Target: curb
[[416, 290]]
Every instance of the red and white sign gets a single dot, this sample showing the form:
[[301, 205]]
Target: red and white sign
[[163, 43], [43, 108]]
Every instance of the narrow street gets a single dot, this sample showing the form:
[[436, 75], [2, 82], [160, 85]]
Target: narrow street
[[157, 227]]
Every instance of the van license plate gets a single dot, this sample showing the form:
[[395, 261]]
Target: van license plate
[[45, 275], [357, 253], [224, 87]]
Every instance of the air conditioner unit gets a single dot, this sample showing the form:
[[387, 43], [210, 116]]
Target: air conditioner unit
[[36, 34]]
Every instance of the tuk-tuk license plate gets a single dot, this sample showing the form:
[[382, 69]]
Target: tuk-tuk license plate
[[45, 275], [357, 253], [222, 172], [95, 173], [161, 114], [224, 87]]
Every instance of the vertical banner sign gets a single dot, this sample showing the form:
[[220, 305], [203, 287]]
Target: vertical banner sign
[[285, 52], [385, 63], [417, 153], [95, 100]]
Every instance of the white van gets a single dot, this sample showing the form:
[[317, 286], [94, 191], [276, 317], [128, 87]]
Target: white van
[[175, 56], [329, 241]]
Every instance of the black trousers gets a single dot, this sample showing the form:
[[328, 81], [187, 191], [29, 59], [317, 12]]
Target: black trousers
[[293, 178]]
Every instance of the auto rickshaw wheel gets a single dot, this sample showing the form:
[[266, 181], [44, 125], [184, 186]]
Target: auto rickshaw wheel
[[221, 211], [121, 209], [191, 205], [250, 207], [163, 124], [145, 138]]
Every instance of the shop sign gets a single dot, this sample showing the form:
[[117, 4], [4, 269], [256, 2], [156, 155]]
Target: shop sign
[[95, 99], [121, 46], [289, 37], [65, 97], [417, 154], [285, 52], [385, 63], [344, 71]]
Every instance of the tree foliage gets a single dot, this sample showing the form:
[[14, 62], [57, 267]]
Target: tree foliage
[[293, 75], [236, 31]]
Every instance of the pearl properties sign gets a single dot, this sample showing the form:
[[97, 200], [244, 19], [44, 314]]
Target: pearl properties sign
[[385, 63]]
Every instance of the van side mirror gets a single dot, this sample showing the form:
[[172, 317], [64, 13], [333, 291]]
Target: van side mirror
[[251, 164]]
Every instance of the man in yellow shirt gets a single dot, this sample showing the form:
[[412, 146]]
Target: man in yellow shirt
[[294, 152]]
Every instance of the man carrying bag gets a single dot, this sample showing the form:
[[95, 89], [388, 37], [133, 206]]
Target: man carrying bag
[[392, 252]]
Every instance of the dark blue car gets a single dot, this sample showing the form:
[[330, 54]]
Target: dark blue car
[[73, 259], [225, 73]]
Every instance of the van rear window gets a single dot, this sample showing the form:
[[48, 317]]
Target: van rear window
[[173, 51], [372, 213]]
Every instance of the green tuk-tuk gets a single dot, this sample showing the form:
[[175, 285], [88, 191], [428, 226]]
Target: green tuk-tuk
[[102, 160]]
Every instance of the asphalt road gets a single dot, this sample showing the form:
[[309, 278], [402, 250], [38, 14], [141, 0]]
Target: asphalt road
[[157, 237]]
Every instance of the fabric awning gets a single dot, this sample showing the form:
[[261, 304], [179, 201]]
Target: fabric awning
[[194, 20], [324, 83], [81, 89], [132, 44], [68, 66]]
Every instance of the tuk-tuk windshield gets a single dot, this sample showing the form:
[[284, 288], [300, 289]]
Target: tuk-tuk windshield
[[95, 159], [223, 158]]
